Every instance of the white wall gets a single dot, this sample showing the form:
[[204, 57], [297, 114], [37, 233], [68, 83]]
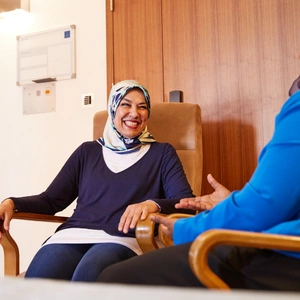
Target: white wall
[[34, 147]]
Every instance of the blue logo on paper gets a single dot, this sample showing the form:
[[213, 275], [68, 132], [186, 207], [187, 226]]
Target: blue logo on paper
[[67, 34]]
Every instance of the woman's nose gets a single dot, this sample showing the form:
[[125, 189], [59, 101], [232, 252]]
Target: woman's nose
[[134, 111]]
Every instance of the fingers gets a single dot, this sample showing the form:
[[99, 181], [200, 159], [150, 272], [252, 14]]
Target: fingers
[[191, 203], [220, 190], [6, 221], [135, 212], [144, 214], [213, 182], [128, 220], [6, 212], [123, 221], [204, 206], [166, 224], [6, 224], [160, 219], [148, 207], [157, 219], [183, 203]]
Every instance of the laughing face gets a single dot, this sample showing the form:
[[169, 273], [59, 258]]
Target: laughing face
[[132, 114]]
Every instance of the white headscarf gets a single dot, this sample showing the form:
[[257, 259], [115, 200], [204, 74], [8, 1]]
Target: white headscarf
[[114, 140]]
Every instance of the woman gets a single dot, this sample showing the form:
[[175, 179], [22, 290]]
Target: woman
[[118, 179]]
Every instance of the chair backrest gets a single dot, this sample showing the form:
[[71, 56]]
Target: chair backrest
[[178, 124]]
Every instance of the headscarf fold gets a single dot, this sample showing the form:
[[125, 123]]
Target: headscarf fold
[[114, 140]]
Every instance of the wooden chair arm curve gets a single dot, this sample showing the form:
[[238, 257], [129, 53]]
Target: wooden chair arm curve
[[200, 248], [39, 217], [166, 240], [145, 234], [10, 247]]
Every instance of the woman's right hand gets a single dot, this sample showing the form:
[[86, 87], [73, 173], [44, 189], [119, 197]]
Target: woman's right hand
[[6, 212], [134, 212], [208, 201]]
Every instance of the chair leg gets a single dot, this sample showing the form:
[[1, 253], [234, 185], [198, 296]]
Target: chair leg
[[11, 255]]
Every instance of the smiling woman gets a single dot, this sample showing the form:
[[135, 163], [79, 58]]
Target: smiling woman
[[129, 110], [117, 180]]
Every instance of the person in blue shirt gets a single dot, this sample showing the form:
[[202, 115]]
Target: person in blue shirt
[[268, 203]]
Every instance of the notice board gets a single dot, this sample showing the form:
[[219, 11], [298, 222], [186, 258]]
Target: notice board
[[46, 56]]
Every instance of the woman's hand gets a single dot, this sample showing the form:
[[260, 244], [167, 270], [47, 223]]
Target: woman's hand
[[208, 201], [134, 212], [6, 212]]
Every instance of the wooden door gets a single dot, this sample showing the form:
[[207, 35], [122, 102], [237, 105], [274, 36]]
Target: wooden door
[[235, 58], [134, 44]]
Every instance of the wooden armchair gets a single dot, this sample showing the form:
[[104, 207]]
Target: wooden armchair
[[200, 248], [205, 242], [176, 123]]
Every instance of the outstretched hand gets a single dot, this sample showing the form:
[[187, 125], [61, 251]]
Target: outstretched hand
[[208, 201]]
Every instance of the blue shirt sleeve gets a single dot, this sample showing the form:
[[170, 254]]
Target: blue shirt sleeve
[[271, 197]]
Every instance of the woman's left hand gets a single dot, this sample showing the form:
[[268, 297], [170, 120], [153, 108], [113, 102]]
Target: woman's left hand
[[134, 212]]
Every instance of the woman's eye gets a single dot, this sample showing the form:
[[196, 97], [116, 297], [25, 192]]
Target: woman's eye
[[143, 107], [125, 104]]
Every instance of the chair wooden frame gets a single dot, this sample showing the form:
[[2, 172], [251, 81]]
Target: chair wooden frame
[[200, 248], [10, 247], [205, 242], [145, 233]]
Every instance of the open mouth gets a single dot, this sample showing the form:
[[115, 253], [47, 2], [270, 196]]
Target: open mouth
[[131, 123]]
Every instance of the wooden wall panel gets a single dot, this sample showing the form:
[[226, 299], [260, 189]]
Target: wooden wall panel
[[236, 58], [134, 44], [231, 57]]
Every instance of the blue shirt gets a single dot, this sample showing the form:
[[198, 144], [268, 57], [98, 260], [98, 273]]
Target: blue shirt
[[270, 201]]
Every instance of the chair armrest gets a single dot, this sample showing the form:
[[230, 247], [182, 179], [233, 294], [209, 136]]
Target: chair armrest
[[200, 248], [166, 240], [145, 232], [10, 247], [39, 217]]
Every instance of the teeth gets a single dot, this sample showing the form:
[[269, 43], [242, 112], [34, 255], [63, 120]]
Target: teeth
[[130, 123]]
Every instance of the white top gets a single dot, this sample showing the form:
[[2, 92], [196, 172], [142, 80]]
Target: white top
[[120, 162], [91, 236]]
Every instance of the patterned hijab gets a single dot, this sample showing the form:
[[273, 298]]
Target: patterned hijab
[[114, 140]]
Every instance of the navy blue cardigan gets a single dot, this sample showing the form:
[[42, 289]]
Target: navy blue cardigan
[[102, 195]]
